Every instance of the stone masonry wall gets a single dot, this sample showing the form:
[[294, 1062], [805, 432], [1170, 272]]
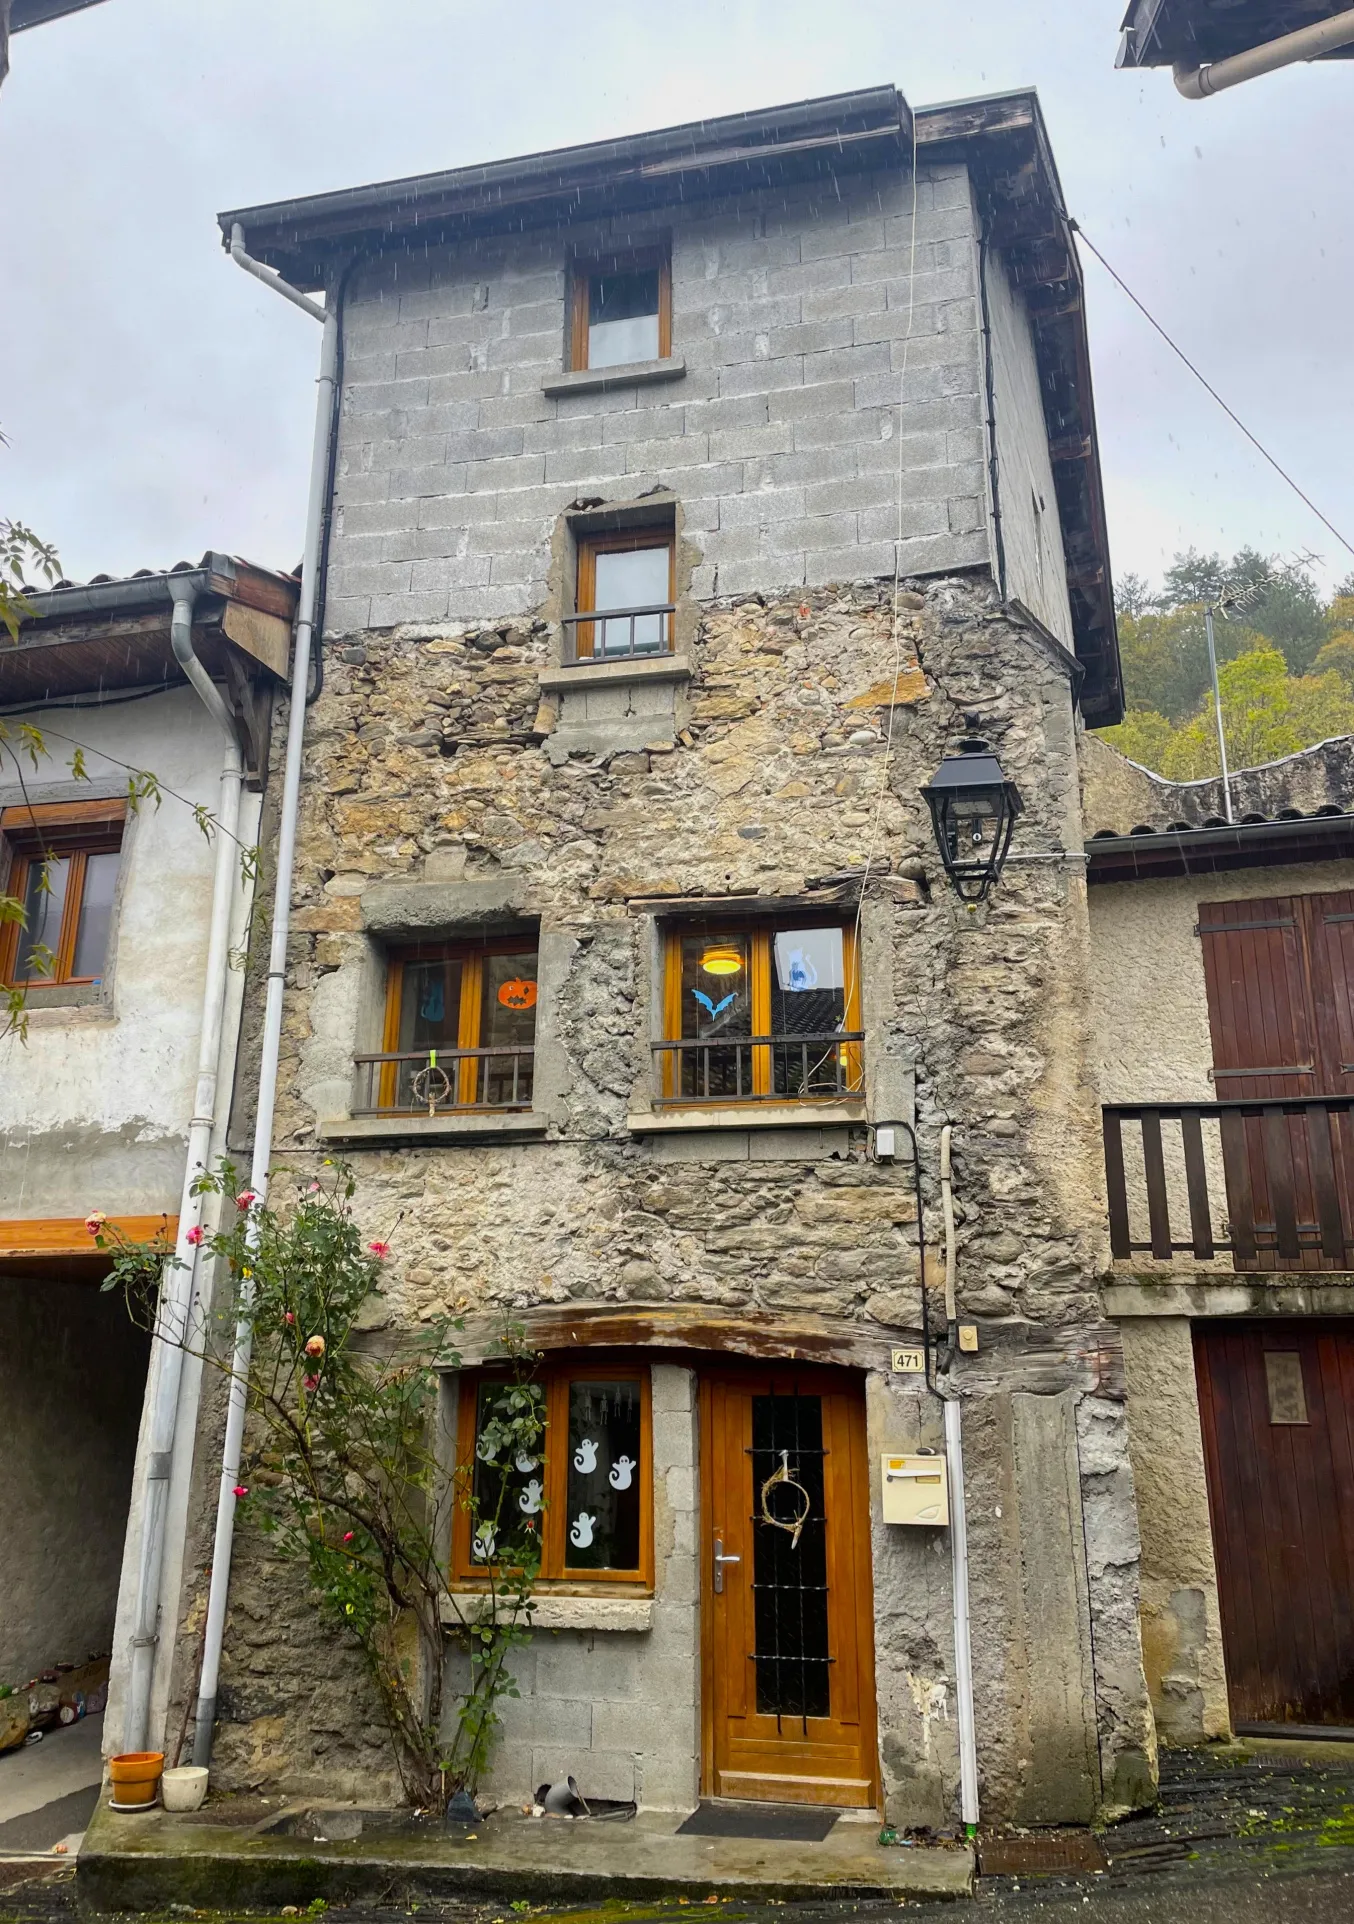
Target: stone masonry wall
[[812, 727]]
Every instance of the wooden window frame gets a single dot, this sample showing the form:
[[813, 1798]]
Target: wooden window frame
[[760, 938], [472, 956], [43, 832], [584, 272], [556, 1375], [654, 534]]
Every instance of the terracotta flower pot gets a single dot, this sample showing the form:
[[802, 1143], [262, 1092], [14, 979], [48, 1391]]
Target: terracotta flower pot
[[135, 1776]]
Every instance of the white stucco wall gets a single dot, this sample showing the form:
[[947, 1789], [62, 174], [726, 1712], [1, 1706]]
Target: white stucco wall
[[94, 1106], [1147, 975]]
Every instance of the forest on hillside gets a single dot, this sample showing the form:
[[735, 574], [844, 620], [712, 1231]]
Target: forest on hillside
[[1285, 654]]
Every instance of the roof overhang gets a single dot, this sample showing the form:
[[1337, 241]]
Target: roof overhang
[[36, 13], [1205, 851], [303, 239], [109, 640], [1001, 138], [1191, 33]]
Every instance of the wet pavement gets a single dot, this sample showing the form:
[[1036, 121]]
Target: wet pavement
[[1239, 1837]]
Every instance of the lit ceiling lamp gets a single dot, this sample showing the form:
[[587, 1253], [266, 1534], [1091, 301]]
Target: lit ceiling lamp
[[973, 810], [721, 959]]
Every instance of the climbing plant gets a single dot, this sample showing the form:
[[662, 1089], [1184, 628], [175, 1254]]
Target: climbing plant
[[344, 1474]]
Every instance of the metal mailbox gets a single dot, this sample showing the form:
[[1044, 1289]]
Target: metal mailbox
[[915, 1490]]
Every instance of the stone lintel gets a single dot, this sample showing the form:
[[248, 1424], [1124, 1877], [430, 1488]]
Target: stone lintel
[[423, 908], [1232, 1294]]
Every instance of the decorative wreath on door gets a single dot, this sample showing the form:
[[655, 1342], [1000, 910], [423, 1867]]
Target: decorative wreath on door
[[794, 1524]]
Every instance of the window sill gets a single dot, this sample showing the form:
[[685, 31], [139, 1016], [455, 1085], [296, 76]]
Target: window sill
[[748, 1115], [556, 1612], [596, 380], [64, 995], [513, 1125], [605, 674]]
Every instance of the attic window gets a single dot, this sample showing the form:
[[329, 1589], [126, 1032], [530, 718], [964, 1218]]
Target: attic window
[[621, 311]]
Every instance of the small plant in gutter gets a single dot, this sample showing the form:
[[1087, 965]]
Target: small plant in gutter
[[341, 1472]]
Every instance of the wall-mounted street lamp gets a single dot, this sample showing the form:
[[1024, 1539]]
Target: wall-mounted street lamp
[[973, 810]]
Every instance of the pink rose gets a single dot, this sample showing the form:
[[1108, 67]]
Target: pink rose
[[347, 1536], [95, 1221], [195, 1235], [314, 1189], [315, 1346], [245, 1198], [379, 1250], [310, 1382], [290, 1316], [240, 1489]]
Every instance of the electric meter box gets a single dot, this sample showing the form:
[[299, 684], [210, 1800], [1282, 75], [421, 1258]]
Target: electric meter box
[[915, 1490]]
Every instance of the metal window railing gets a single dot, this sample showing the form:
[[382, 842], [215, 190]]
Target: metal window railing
[[435, 1081], [606, 646], [1284, 1170], [765, 1068]]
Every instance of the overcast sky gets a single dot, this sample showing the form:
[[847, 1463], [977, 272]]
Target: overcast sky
[[158, 402]]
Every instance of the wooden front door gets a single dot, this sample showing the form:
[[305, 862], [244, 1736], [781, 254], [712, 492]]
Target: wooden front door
[[1279, 972], [787, 1620], [1276, 1402]]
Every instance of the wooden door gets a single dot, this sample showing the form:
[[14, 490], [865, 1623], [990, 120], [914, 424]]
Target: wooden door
[[787, 1623], [1279, 972], [1276, 1403]]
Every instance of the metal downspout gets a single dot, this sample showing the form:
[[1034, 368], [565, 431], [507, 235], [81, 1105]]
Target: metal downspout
[[1307, 43], [177, 1287], [214, 1634], [954, 1460]]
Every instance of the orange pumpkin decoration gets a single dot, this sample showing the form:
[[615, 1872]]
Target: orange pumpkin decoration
[[518, 993]]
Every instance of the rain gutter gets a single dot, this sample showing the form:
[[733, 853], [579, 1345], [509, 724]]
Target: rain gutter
[[1307, 43]]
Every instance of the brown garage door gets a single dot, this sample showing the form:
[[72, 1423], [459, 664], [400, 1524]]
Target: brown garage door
[[1275, 1401]]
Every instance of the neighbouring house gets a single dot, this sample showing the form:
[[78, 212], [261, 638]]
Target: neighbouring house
[[695, 493], [1240, 38], [1222, 982], [128, 908]]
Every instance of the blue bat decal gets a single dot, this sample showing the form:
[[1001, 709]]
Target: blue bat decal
[[715, 1008]]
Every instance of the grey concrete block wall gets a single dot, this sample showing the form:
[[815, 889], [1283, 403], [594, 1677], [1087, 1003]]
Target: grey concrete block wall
[[833, 378]]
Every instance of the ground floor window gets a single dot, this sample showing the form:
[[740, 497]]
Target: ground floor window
[[584, 1496]]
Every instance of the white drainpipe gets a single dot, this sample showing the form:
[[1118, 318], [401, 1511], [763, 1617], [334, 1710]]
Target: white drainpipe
[[277, 966], [1197, 83], [954, 1461], [176, 1295]]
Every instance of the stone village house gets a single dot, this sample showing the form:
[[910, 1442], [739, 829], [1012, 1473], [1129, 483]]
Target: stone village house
[[620, 942], [615, 941]]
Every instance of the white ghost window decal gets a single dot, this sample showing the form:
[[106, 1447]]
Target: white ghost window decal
[[482, 1548], [529, 1502], [581, 1533], [619, 1478], [585, 1458]]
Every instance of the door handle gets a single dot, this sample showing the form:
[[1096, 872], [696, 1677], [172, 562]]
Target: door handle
[[720, 1561]]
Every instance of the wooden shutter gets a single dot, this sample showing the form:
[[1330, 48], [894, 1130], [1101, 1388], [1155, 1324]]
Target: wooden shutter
[[1279, 972]]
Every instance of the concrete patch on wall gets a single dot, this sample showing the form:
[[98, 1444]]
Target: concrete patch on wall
[[1181, 1628]]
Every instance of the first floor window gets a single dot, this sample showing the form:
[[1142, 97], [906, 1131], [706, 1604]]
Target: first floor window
[[583, 1495], [460, 1027], [761, 1012], [634, 573], [64, 871]]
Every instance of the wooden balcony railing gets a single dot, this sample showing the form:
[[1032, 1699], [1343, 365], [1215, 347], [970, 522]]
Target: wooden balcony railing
[[1270, 1183]]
